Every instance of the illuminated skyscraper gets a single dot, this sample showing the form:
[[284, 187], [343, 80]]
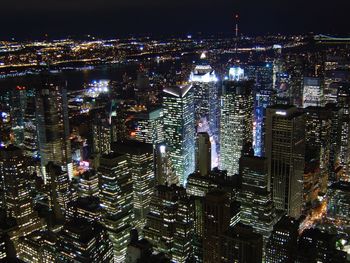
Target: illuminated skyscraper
[[30, 140], [236, 123], [285, 152], [116, 196], [257, 208], [179, 127], [53, 127], [80, 241], [343, 98], [141, 166], [169, 224], [318, 139], [282, 244], [88, 184], [313, 92], [206, 100], [17, 200], [150, 126], [102, 134]]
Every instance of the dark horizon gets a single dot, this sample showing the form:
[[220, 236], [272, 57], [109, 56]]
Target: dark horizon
[[32, 19]]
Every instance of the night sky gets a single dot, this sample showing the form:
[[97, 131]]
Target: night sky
[[110, 18]]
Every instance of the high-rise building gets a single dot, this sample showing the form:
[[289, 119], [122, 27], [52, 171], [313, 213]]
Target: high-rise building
[[343, 98], [81, 241], [164, 170], [179, 127], [87, 208], [38, 247], [241, 244], [318, 138], [116, 197], [236, 123], [313, 92], [149, 127], [257, 208], [169, 224], [53, 127], [14, 183], [57, 187], [88, 184], [141, 166], [206, 100], [216, 222], [264, 98], [102, 134], [203, 160], [338, 206], [315, 246], [282, 244], [30, 140], [285, 152]]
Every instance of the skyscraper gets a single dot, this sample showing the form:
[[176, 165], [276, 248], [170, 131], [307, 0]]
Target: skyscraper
[[236, 123], [81, 241], [282, 244], [216, 222], [17, 200], [179, 126], [116, 196], [102, 134], [141, 166], [206, 100], [257, 208], [169, 224], [285, 152], [150, 126], [53, 126], [313, 92]]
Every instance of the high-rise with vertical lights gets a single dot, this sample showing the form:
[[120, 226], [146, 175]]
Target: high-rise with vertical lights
[[169, 224], [285, 152], [179, 127], [257, 208], [141, 166], [282, 244], [102, 134], [150, 126], [53, 126], [236, 123], [206, 100], [14, 183], [117, 201]]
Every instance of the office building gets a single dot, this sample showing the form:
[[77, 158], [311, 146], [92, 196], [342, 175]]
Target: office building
[[141, 167], [88, 184], [236, 123], [169, 224], [15, 187], [282, 245], [81, 241], [179, 127], [257, 207], [312, 92], [53, 126], [216, 222], [241, 244], [116, 197], [285, 152]]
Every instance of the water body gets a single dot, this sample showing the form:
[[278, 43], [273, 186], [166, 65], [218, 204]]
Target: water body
[[77, 78]]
